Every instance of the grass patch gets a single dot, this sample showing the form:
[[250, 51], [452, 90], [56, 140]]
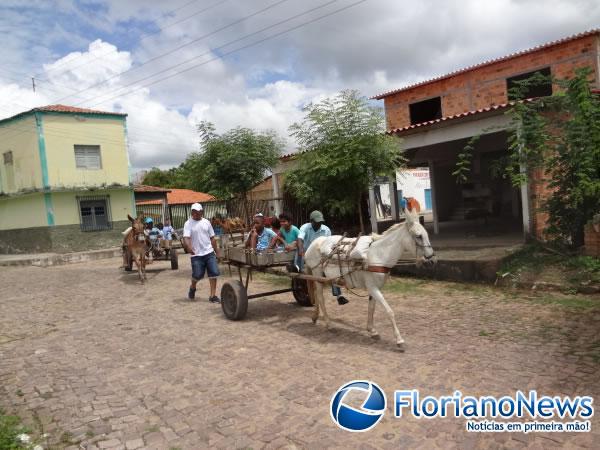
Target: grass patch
[[533, 259], [272, 279], [10, 428], [574, 302], [398, 285], [67, 438], [152, 429]]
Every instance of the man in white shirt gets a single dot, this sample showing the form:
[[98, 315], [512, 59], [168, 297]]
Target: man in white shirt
[[199, 241]]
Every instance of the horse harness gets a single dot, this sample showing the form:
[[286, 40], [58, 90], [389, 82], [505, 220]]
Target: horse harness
[[344, 249]]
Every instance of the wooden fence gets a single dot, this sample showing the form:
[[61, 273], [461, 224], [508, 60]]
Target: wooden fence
[[178, 214]]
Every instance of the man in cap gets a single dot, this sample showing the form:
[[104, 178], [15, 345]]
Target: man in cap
[[308, 233], [199, 241]]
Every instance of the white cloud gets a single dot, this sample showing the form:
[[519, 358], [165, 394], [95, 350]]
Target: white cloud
[[374, 47]]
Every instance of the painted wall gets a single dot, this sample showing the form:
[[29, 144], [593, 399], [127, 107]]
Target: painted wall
[[63, 131], [66, 210], [20, 137], [24, 211]]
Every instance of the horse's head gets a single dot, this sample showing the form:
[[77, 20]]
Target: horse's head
[[137, 226], [419, 240]]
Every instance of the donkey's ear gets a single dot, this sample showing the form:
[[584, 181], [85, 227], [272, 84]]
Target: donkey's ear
[[131, 219], [410, 218]]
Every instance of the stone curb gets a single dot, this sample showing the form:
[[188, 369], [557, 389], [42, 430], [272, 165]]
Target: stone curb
[[58, 259]]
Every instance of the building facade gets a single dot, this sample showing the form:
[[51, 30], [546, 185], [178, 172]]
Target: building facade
[[64, 180], [436, 119]]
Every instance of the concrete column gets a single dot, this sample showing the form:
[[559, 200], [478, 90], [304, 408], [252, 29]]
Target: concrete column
[[393, 187], [373, 209], [277, 203], [434, 205], [525, 204]]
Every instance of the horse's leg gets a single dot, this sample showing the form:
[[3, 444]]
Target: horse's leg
[[138, 264], [377, 295], [374, 334], [143, 261], [312, 286], [321, 299]]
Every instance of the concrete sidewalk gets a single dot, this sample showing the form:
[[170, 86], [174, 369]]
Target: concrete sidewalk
[[56, 259]]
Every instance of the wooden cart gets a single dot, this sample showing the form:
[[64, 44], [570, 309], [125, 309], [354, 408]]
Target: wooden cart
[[234, 294]]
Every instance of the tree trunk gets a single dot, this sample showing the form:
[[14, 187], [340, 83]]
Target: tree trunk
[[360, 214]]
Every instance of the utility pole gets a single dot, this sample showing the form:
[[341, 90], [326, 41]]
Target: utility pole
[[33, 83]]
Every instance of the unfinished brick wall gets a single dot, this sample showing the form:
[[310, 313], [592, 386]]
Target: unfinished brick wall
[[538, 193], [591, 241], [485, 86]]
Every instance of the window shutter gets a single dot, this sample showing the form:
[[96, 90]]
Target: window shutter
[[87, 157]]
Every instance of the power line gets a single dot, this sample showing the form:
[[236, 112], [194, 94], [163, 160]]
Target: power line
[[336, 11], [143, 36], [171, 51]]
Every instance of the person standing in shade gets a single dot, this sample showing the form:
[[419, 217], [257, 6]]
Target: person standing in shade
[[199, 241], [308, 233]]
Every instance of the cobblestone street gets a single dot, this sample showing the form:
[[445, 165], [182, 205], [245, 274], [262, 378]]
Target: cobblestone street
[[96, 360]]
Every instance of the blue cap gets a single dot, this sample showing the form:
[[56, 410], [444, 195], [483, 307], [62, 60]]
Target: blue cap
[[149, 220]]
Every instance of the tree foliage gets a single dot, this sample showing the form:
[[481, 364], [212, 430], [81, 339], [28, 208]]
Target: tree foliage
[[170, 178], [561, 136], [343, 146], [232, 163], [227, 165]]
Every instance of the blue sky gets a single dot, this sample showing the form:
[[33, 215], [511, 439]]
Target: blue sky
[[372, 46]]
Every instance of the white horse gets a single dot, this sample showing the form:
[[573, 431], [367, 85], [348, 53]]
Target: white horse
[[403, 239]]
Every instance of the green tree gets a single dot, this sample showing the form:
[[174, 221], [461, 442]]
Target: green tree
[[175, 177], [232, 163], [561, 136], [343, 146]]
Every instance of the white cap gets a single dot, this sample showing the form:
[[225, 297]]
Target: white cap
[[196, 207]]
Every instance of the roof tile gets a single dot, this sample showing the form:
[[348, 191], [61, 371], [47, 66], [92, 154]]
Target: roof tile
[[490, 61]]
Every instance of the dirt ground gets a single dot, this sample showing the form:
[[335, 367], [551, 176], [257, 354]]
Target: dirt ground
[[95, 360]]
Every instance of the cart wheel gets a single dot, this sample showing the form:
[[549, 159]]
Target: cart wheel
[[174, 260], [234, 300], [129, 265], [300, 291]]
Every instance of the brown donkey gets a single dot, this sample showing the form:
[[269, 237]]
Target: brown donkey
[[136, 245]]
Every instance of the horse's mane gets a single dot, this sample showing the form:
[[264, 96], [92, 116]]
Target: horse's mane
[[394, 227]]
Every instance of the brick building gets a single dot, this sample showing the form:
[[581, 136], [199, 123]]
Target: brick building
[[437, 117]]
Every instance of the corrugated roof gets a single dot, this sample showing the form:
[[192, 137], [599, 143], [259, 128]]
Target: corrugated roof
[[491, 61], [501, 106]]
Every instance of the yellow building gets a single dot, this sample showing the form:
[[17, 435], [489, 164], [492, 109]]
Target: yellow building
[[64, 180]]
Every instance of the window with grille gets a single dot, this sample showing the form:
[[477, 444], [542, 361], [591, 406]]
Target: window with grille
[[88, 157], [94, 213], [8, 157]]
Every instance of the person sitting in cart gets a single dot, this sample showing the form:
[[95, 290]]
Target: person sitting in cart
[[260, 236], [168, 230], [151, 231], [287, 235], [308, 233]]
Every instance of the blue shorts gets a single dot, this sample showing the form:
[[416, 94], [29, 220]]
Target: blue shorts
[[204, 263]]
